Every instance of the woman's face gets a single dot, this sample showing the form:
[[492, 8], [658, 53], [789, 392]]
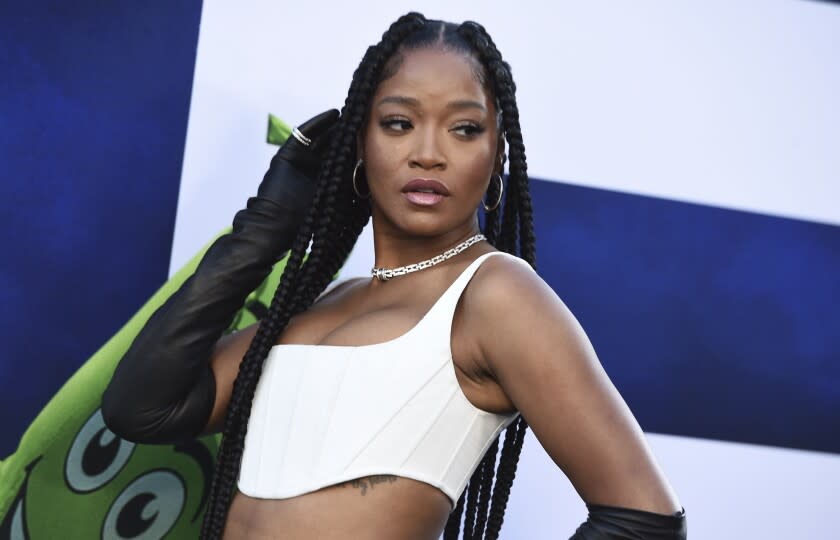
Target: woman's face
[[431, 120]]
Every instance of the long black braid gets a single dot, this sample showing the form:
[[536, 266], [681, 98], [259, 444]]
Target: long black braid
[[333, 224]]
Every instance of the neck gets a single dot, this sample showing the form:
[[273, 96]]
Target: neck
[[394, 248]]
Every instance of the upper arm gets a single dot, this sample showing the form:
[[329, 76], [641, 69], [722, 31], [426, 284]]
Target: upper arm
[[225, 360], [539, 354]]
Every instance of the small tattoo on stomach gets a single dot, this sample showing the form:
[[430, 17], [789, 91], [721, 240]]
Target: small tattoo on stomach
[[369, 482]]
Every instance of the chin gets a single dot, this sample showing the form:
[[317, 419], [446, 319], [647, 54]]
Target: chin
[[425, 227], [427, 224]]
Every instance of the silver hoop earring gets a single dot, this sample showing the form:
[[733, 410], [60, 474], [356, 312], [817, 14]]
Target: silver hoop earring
[[355, 169], [501, 189]]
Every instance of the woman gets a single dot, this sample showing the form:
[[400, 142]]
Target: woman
[[378, 412]]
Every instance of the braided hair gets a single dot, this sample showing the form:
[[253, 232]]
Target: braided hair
[[333, 223]]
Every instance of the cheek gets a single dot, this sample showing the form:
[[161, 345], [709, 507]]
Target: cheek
[[480, 166], [379, 156]]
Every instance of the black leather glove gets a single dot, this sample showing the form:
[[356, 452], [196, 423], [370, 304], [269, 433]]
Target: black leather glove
[[163, 389], [616, 523]]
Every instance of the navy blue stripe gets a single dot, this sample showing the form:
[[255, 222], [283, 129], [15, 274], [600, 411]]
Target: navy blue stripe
[[712, 323], [94, 100]]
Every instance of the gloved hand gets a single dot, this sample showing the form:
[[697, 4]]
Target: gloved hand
[[163, 389], [617, 523], [291, 173]]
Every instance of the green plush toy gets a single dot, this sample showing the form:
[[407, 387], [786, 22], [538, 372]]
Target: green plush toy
[[71, 477]]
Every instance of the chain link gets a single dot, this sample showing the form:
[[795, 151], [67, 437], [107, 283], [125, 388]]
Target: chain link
[[384, 274]]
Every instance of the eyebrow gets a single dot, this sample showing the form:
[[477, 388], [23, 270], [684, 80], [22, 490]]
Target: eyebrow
[[412, 102]]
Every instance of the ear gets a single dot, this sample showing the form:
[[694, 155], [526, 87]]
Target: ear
[[501, 157], [360, 144]]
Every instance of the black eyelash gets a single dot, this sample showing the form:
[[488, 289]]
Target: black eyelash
[[388, 122], [471, 129]]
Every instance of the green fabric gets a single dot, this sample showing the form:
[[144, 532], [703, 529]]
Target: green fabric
[[278, 130], [71, 477], [69, 472]]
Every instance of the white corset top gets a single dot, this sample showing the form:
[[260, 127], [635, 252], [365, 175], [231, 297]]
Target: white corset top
[[325, 414]]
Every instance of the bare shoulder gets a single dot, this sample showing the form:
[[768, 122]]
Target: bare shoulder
[[504, 282], [513, 306], [505, 269], [540, 356]]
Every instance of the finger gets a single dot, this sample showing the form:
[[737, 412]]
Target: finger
[[317, 125], [320, 145]]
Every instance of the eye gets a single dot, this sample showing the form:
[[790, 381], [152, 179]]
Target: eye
[[147, 508], [396, 124], [468, 130], [96, 456]]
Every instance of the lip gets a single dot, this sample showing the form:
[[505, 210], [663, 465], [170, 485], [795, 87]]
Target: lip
[[426, 183], [423, 199]]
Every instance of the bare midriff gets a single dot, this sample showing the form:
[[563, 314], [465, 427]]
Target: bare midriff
[[381, 507]]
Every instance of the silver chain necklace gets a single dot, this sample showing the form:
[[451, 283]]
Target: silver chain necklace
[[384, 274]]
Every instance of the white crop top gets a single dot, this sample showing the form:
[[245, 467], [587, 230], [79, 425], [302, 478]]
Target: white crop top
[[325, 414]]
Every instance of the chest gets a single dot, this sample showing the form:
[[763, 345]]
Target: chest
[[347, 321]]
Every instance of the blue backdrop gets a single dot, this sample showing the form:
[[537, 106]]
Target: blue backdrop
[[94, 100], [728, 316]]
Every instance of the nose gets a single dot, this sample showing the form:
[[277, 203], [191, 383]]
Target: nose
[[426, 152]]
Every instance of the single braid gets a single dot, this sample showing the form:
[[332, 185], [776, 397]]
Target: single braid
[[488, 464], [515, 435], [472, 502], [453, 524]]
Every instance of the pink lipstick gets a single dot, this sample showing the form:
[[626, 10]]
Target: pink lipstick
[[425, 191]]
